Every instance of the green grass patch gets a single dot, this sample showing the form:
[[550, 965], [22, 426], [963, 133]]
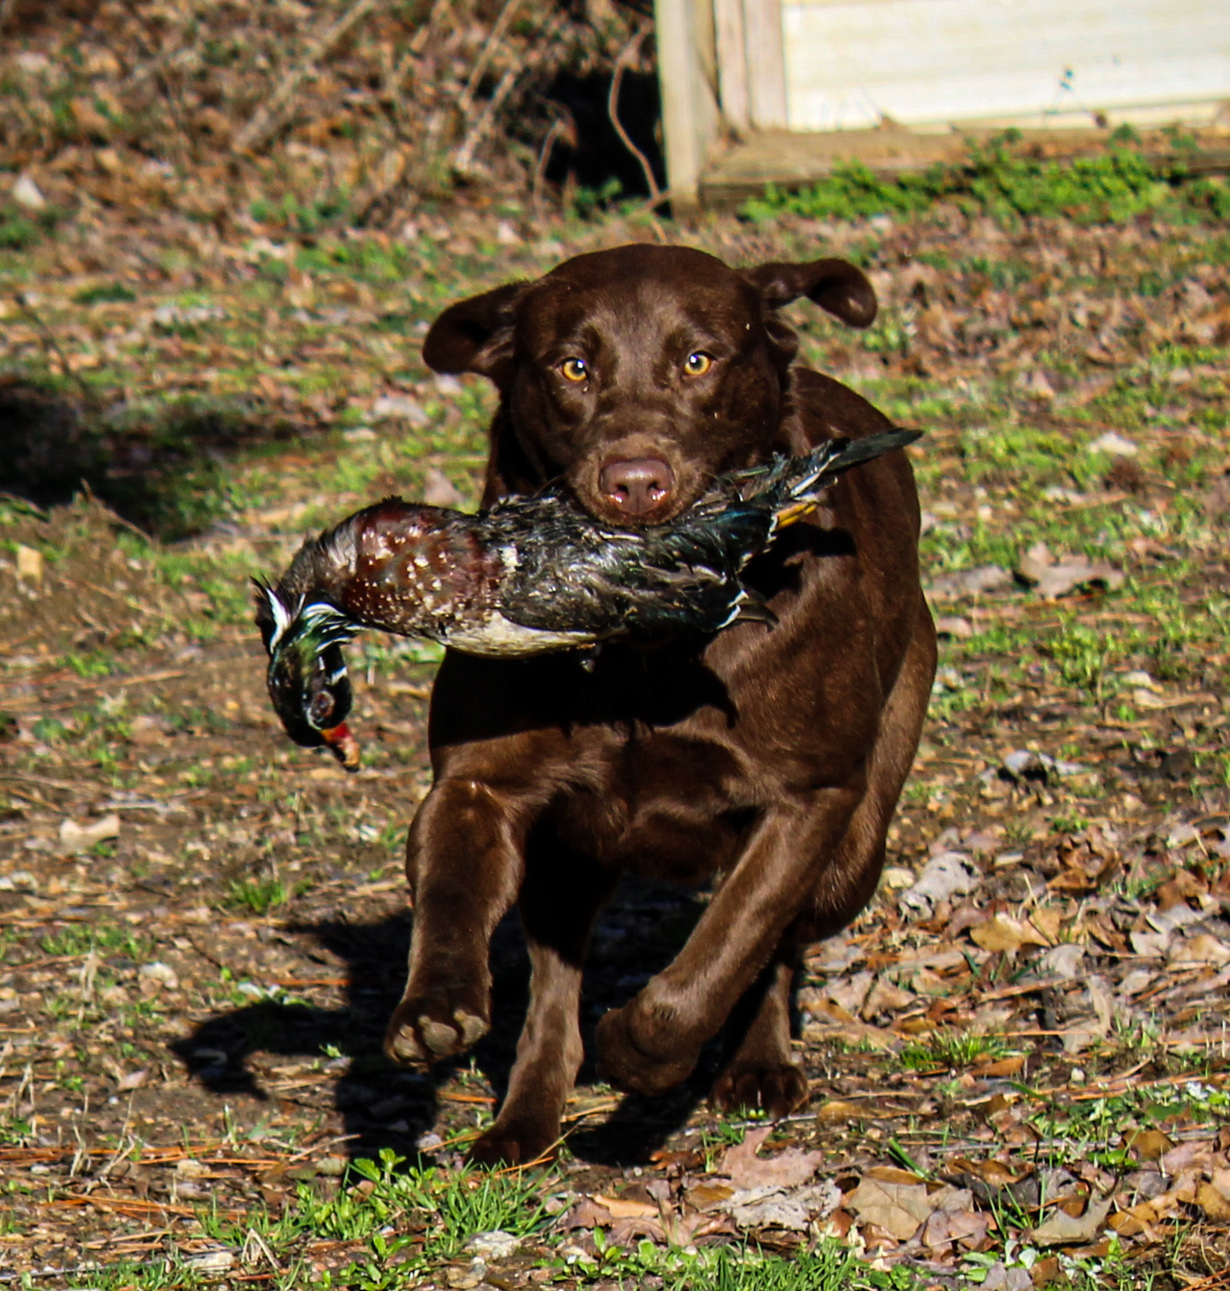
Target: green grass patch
[[258, 895], [1003, 179], [951, 1049], [106, 939]]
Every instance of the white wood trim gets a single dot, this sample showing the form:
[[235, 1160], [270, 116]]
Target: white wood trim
[[688, 82], [766, 64], [731, 42], [857, 63]]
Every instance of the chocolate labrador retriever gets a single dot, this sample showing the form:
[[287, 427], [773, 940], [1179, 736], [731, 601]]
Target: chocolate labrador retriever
[[771, 758]]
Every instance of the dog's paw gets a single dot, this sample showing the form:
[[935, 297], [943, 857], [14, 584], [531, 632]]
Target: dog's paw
[[520, 1142], [629, 1059], [775, 1088], [427, 1028]]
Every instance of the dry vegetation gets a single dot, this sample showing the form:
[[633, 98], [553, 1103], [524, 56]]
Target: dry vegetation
[[1018, 1054]]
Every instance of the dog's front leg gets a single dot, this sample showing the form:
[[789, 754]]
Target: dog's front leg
[[464, 861], [654, 1041]]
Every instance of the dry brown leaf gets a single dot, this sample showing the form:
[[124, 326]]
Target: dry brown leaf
[[892, 1174], [587, 1213], [968, 1227], [622, 1208], [787, 1169], [635, 1228], [1200, 949], [836, 1112], [1213, 1202], [995, 1174], [1062, 1229], [708, 1193], [1151, 1145], [1053, 577], [1003, 933], [1047, 920], [898, 1209]]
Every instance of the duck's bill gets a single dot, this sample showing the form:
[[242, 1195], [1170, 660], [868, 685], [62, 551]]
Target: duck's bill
[[344, 745]]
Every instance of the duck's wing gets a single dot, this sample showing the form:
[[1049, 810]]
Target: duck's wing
[[568, 571], [791, 487]]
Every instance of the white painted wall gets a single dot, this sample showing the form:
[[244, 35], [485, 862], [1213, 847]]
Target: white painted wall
[[851, 63]]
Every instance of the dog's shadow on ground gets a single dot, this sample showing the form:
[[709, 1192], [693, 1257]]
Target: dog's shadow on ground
[[385, 1106]]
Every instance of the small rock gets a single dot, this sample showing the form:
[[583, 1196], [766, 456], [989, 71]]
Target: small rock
[[495, 1245], [400, 407], [158, 975], [1026, 764], [212, 1262], [957, 628], [29, 564], [80, 838], [25, 192], [897, 876], [359, 435], [946, 875], [1114, 444], [506, 235], [1063, 960], [1037, 385]]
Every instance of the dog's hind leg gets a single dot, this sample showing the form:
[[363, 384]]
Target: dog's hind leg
[[762, 1073]]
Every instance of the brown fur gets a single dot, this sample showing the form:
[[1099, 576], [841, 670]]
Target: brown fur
[[771, 758]]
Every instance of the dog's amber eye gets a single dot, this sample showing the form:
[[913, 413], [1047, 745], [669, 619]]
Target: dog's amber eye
[[575, 370], [697, 364]]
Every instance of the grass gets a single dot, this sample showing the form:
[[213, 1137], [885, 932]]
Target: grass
[[1001, 179], [258, 896], [107, 939], [951, 1049]]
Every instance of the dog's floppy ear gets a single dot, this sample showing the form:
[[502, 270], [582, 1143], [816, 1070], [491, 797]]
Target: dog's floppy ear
[[475, 335], [835, 285]]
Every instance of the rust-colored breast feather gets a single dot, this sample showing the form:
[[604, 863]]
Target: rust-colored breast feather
[[418, 569]]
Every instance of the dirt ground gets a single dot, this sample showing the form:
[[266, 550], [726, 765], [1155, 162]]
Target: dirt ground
[[1018, 1055]]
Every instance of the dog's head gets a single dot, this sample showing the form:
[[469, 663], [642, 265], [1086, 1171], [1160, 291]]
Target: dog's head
[[638, 374]]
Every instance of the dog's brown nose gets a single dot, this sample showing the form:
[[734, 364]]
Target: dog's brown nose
[[637, 485]]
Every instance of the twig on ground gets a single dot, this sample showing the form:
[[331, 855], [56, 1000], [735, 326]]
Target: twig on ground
[[52, 347], [266, 120], [560, 127], [622, 62], [466, 99], [113, 516], [463, 157]]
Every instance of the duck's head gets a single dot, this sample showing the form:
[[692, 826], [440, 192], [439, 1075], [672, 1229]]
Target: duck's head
[[307, 677]]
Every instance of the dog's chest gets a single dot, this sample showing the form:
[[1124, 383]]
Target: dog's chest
[[667, 805]]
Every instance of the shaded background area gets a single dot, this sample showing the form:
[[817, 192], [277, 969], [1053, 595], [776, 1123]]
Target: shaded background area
[[249, 126]]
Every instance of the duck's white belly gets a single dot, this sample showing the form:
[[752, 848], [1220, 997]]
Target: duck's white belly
[[499, 636]]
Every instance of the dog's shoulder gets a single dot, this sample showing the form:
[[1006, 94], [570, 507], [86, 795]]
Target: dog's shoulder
[[829, 410]]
